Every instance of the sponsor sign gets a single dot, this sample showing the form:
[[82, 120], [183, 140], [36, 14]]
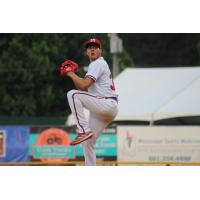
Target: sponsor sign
[[2, 143], [14, 143], [158, 144], [52, 144], [106, 145]]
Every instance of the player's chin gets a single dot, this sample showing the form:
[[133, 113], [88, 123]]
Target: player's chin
[[93, 58]]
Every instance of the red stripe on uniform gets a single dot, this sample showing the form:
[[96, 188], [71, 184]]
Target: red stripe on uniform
[[92, 77]]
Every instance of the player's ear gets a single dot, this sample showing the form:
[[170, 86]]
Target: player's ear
[[100, 51], [86, 53]]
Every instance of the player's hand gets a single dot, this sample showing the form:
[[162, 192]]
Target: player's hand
[[68, 66]]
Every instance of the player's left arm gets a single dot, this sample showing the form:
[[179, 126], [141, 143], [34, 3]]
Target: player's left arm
[[81, 83]]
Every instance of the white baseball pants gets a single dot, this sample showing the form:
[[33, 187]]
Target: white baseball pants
[[102, 112]]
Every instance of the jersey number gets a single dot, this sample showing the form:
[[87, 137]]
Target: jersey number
[[113, 85]]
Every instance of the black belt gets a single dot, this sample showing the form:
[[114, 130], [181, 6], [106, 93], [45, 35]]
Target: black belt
[[114, 98]]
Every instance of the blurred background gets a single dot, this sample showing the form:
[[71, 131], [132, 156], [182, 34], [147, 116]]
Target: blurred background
[[30, 85], [33, 97]]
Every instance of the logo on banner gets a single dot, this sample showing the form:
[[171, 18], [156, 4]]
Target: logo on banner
[[129, 144], [2, 143], [53, 145]]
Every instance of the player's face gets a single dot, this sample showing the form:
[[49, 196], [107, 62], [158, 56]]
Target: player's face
[[93, 52]]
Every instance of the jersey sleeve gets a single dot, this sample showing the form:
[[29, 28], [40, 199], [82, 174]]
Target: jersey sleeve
[[94, 71]]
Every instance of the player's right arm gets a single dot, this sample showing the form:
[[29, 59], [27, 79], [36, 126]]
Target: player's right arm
[[81, 83]]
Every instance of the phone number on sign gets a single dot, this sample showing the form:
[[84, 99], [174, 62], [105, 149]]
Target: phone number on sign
[[169, 158]]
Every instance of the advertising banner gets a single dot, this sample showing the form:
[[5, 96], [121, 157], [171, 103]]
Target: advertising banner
[[2, 143], [52, 144], [14, 144], [158, 143]]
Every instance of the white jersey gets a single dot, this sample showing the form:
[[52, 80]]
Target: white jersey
[[103, 85]]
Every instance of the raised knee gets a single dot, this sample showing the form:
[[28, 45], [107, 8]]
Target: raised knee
[[70, 93]]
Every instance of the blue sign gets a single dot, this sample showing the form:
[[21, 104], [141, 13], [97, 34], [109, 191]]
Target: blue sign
[[16, 143]]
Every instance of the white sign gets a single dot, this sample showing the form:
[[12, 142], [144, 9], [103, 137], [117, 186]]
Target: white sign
[[158, 143]]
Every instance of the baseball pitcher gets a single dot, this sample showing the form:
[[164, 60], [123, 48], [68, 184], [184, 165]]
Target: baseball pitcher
[[96, 93]]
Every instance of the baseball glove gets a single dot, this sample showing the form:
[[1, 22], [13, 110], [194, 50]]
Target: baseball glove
[[68, 66]]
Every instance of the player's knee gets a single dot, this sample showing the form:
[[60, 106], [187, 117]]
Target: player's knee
[[70, 93]]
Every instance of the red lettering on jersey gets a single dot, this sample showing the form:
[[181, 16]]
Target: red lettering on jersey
[[113, 85]]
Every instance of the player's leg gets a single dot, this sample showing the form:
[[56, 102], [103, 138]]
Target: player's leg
[[89, 152], [104, 108], [77, 111], [97, 125]]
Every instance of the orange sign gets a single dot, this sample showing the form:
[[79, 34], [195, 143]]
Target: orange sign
[[53, 137]]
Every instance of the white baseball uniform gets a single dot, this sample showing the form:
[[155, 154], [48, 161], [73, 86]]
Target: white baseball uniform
[[100, 100]]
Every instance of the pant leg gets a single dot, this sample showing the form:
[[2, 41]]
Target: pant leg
[[104, 108], [76, 107], [102, 112], [97, 125]]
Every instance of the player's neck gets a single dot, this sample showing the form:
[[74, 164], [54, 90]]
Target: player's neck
[[93, 59]]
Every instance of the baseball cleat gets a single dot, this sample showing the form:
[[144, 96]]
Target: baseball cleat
[[81, 137]]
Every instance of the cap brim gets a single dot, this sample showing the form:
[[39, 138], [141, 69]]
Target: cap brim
[[92, 44]]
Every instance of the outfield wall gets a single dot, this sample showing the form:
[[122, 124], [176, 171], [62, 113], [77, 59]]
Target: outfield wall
[[51, 144], [126, 145]]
